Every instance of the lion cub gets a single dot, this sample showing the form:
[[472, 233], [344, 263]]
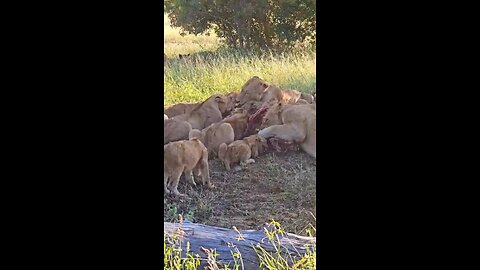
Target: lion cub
[[239, 122], [184, 157], [175, 130], [241, 151], [213, 136]]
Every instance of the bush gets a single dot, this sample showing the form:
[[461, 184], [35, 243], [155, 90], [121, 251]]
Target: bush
[[247, 24]]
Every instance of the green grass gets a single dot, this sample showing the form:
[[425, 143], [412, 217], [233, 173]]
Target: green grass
[[227, 70]]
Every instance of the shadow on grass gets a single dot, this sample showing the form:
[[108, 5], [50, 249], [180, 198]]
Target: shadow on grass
[[238, 54]]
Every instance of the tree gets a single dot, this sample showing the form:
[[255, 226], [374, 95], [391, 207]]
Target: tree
[[247, 24]]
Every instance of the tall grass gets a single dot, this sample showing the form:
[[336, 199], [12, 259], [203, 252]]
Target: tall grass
[[226, 70], [281, 259]]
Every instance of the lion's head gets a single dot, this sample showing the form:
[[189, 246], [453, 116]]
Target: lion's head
[[224, 103], [253, 89], [272, 117]]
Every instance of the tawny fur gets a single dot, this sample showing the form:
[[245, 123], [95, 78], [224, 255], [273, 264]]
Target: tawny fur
[[213, 136], [257, 144], [185, 157], [230, 100], [252, 106], [180, 108], [294, 123], [175, 130], [252, 90], [206, 113], [238, 120], [241, 151], [286, 96]]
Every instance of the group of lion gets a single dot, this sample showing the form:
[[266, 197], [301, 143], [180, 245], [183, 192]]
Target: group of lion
[[235, 128]]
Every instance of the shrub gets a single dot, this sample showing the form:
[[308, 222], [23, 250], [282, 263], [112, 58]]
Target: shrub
[[247, 24]]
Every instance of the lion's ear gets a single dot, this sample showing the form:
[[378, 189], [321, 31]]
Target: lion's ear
[[218, 98]]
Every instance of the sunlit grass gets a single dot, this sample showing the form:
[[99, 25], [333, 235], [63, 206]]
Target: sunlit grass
[[195, 80], [176, 44], [281, 259]]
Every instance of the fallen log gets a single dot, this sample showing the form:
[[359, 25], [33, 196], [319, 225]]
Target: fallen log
[[225, 241]]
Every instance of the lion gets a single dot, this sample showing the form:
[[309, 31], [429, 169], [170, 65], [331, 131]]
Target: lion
[[257, 90], [252, 106], [231, 101], [252, 90], [206, 113], [175, 130], [286, 96], [309, 98], [213, 136], [180, 108], [184, 157], [184, 56], [238, 121], [236, 152], [241, 151], [294, 123], [257, 144]]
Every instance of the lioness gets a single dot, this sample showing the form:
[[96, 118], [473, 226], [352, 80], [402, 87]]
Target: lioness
[[292, 122], [175, 130], [283, 95], [206, 113], [213, 136], [180, 108], [252, 90], [184, 157]]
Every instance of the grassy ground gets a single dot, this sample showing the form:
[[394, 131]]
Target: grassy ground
[[277, 186], [227, 71]]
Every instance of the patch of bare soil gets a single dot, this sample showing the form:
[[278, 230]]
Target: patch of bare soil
[[278, 186]]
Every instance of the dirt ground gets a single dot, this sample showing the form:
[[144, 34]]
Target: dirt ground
[[279, 186]]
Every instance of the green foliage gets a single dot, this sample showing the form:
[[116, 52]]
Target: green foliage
[[248, 24]]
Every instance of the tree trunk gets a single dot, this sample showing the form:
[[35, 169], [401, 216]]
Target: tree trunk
[[218, 239]]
